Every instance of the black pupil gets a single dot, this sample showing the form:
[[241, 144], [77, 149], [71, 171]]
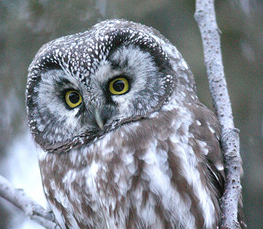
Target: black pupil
[[74, 97], [118, 85]]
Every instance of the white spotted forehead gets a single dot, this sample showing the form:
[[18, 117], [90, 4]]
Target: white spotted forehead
[[80, 54]]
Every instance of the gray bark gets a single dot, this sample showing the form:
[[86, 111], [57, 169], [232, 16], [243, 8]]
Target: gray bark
[[206, 19], [32, 209]]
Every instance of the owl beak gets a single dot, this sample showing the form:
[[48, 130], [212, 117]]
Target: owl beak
[[98, 119]]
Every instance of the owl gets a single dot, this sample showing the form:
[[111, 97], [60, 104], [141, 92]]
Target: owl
[[125, 141]]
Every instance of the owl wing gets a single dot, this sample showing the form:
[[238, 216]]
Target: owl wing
[[206, 134], [209, 132]]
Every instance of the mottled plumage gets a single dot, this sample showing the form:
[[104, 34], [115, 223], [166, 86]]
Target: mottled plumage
[[143, 156]]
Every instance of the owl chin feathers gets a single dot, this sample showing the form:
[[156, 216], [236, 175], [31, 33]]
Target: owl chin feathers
[[128, 144]]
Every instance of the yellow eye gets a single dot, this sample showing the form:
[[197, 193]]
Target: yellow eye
[[73, 98], [119, 86]]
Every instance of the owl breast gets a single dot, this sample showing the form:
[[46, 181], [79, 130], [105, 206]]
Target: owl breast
[[137, 176]]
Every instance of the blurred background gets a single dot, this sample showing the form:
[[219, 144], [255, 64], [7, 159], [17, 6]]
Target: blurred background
[[27, 24]]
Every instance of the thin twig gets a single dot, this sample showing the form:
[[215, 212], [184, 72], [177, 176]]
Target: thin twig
[[32, 209], [206, 19]]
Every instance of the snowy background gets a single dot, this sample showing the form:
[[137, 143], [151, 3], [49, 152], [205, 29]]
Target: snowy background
[[25, 25]]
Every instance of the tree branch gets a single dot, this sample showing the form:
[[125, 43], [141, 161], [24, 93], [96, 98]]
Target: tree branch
[[206, 19], [32, 209]]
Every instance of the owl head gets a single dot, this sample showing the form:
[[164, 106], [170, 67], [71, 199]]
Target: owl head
[[87, 84]]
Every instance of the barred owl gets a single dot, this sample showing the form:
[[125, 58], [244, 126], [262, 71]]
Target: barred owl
[[126, 142]]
